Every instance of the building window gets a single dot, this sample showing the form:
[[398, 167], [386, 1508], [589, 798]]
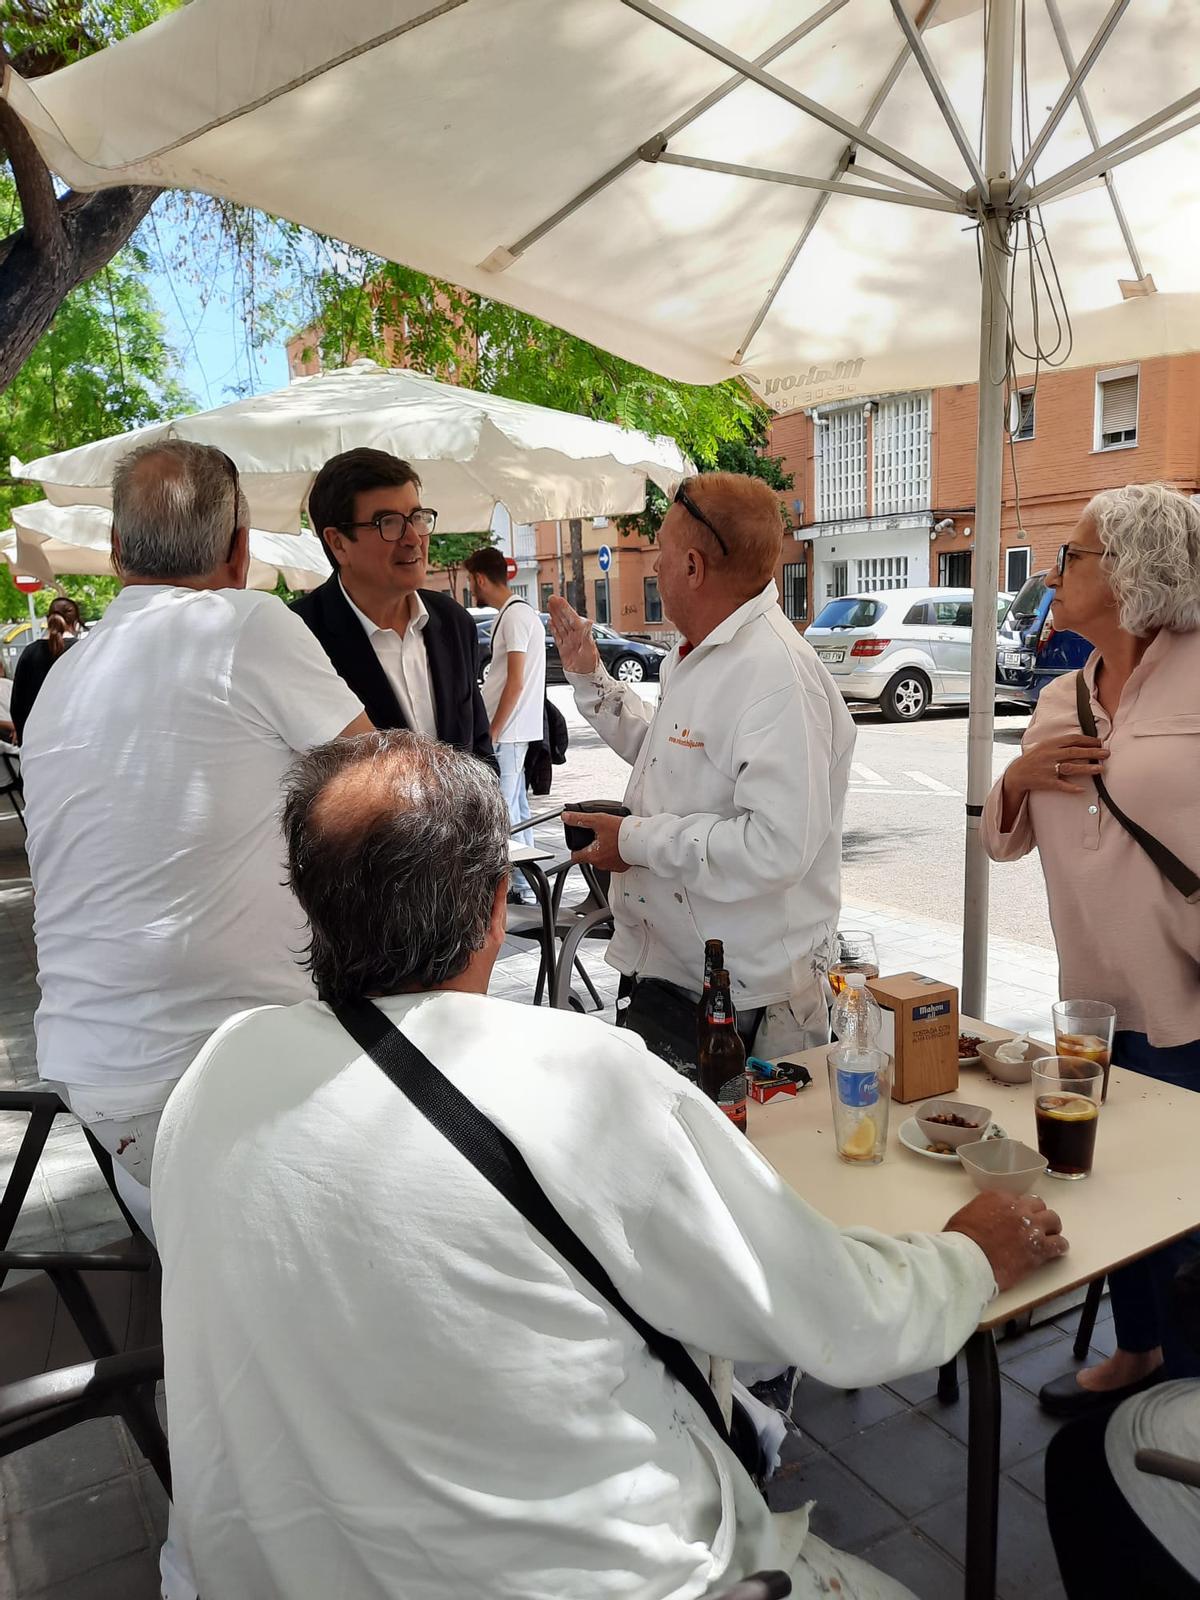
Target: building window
[[1023, 404], [1117, 408], [882, 572], [795, 591], [841, 465], [1016, 567], [954, 569], [901, 450], [652, 600], [602, 612], [547, 591]]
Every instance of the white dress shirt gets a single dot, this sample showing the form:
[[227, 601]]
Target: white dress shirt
[[381, 1381], [405, 662]]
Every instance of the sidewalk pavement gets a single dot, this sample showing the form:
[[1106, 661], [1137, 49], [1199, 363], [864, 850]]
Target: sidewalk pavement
[[81, 1517]]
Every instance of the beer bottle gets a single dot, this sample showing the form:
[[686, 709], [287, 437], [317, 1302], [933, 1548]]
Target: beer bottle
[[714, 961], [722, 1054]]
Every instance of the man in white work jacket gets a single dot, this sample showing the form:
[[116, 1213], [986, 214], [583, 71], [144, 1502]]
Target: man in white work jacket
[[739, 778]]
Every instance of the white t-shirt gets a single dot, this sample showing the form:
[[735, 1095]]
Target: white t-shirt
[[382, 1382], [153, 766], [518, 629]]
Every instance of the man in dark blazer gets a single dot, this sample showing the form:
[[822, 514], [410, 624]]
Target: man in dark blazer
[[409, 654]]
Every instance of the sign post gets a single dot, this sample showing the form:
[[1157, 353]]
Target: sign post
[[605, 558]]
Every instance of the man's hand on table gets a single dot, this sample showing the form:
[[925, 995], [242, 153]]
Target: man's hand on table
[[1017, 1233], [604, 852], [573, 636]]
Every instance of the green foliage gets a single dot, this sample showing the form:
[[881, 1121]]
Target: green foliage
[[448, 551]]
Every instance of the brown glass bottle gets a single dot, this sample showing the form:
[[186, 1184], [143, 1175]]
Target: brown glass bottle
[[722, 1055], [714, 961]]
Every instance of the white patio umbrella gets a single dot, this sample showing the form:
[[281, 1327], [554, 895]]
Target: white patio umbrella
[[48, 540], [808, 193], [471, 450]]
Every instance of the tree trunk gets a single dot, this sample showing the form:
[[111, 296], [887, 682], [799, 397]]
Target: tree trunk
[[65, 241], [577, 589]]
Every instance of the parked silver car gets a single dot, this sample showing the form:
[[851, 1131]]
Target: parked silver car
[[901, 649]]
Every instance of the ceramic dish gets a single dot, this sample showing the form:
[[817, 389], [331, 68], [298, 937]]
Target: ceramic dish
[[1003, 1164], [913, 1139], [1010, 1071], [978, 1119], [970, 1060]]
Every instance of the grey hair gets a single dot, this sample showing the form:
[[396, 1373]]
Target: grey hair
[[175, 509], [1150, 534], [396, 845]]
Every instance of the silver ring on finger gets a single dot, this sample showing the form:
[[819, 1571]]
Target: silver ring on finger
[[1058, 769]]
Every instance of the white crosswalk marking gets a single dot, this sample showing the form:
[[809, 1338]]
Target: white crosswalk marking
[[932, 784], [867, 775]]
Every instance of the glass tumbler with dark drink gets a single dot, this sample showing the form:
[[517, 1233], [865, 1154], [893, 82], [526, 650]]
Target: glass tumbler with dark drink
[[1083, 1030], [854, 951], [1066, 1103], [722, 1053]]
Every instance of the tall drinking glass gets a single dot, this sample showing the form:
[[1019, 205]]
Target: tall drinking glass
[[853, 951], [1066, 1103], [1083, 1030], [860, 1086]]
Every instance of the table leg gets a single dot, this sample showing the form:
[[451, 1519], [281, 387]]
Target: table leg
[[983, 1465], [540, 884]]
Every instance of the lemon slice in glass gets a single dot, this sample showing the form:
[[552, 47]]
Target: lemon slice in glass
[[861, 1142]]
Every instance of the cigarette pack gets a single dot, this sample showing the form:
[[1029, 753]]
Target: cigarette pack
[[764, 1089], [920, 1033]]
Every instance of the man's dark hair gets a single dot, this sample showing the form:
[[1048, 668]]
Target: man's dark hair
[[487, 563], [331, 498], [395, 846]]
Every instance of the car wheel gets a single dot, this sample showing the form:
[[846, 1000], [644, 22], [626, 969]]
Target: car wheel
[[628, 669], [906, 698]]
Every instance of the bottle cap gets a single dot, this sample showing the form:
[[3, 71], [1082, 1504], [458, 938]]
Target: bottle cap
[[855, 980]]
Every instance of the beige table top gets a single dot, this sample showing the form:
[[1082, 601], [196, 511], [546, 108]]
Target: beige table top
[[1144, 1191], [517, 853]]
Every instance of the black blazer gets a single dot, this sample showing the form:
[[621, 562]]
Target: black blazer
[[451, 643]]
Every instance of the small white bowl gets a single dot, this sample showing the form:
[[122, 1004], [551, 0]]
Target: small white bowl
[[1010, 1071], [979, 1117], [1003, 1164]]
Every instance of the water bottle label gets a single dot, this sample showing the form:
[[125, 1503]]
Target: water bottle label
[[857, 1088]]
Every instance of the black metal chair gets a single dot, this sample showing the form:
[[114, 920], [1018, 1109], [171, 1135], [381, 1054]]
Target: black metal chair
[[11, 787], [761, 1586]]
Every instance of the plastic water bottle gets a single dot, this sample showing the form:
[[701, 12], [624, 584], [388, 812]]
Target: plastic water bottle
[[859, 1074]]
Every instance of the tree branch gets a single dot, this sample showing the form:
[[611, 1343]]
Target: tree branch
[[39, 204]]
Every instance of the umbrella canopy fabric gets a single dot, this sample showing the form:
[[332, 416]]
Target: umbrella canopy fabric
[[472, 451], [651, 176], [47, 540]]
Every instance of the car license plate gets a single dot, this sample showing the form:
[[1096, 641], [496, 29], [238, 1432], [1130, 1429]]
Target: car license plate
[[831, 655], [1011, 658]]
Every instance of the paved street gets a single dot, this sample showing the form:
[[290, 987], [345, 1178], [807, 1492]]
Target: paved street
[[904, 816]]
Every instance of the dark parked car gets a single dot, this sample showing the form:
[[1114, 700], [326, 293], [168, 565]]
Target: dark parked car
[[630, 660], [1029, 652]]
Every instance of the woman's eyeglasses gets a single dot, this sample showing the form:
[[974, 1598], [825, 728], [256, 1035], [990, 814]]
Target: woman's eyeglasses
[[1070, 552], [684, 499]]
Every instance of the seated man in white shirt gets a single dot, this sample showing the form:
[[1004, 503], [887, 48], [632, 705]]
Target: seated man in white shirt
[[739, 776], [153, 763], [382, 1380]]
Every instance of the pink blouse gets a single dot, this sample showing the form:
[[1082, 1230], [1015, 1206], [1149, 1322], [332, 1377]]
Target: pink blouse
[[1124, 934]]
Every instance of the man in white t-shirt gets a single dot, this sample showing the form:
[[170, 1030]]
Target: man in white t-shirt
[[153, 764], [514, 691], [381, 1379]]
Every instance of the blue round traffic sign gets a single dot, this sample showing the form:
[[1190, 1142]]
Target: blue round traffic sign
[[605, 558]]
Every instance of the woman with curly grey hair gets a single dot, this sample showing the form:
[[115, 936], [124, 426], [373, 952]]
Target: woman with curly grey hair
[[1128, 581]]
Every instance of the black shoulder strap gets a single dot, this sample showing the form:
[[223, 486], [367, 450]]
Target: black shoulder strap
[[1177, 873], [497, 1159]]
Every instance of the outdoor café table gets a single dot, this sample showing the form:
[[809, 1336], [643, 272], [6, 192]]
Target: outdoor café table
[[526, 859], [1142, 1194]]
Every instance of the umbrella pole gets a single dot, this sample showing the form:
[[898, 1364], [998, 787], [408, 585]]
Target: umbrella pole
[[989, 466]]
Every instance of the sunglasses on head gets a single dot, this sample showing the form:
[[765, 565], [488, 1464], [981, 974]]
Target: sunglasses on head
[[684, 499]]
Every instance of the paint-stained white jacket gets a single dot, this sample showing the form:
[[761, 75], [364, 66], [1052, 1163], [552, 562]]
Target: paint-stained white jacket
[[737, 792]]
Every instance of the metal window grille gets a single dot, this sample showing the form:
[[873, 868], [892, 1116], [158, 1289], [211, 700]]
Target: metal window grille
[[954, 569], [652, 600], [842, 465], [1118, 410], [902, 454], [1025, 411], [795, 591], [882, 572], [547, 591], [1016, 566], [602, 613]]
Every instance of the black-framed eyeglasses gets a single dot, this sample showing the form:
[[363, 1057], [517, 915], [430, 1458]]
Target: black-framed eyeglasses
[[393, 525], [684, 499], [1065, 553]]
